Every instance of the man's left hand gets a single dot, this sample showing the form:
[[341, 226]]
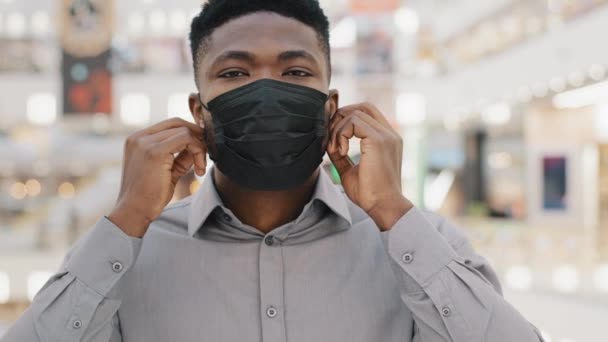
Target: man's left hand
[[375, 183]]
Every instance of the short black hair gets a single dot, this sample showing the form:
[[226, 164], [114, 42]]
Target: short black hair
[[216, 13]]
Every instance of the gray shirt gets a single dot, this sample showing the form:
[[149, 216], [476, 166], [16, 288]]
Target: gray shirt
[[199, 274]]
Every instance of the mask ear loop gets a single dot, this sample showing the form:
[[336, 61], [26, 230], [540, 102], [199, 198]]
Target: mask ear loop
[[202, 103]]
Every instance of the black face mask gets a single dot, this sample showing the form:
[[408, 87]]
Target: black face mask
[[268, 134]]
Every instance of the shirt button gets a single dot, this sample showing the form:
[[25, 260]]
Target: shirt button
[[446, 311], [407, 258], [116, 266], [271, 312], [269, 240], [77, 324], [227, 217]]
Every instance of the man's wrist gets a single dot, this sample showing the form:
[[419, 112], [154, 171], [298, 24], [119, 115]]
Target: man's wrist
[[389, 210], [129, 221]]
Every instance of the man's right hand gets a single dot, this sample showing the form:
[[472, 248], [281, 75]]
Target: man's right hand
[[151, 170]]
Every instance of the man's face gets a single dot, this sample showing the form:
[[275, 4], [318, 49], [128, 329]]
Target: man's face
[[260, 45]]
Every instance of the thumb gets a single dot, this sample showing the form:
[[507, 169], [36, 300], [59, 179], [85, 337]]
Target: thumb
[[342, 163]]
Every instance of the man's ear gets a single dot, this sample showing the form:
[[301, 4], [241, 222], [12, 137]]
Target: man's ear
[[196, 108], [333, 103]]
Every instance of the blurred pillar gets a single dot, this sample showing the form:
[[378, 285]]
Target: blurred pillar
[[474, 175]]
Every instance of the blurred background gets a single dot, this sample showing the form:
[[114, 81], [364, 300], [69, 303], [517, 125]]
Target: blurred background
[[503, 107]]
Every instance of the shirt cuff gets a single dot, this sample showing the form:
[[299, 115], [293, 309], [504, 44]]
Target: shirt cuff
[[103, 255], [417, 247]]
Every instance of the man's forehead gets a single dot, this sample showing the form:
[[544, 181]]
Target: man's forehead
[[262, 33]]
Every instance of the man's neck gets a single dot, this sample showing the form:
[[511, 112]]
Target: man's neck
[[264, 210]]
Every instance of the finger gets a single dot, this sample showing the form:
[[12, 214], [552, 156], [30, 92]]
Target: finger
[[163, 135], [369, 109], [185, 140], [377, 126], [353, 126], [343, 164], [182, 164], [168, 124], [368, 119]]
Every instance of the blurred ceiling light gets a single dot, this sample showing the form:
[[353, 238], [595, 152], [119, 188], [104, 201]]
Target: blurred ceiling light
[[41, 23], [66, 190], [557, 84], [411, 108], [344, 34], [33, 187], [500, 160], [597, 72], [18, 190], [178, 22], [497, 114], [35, 281], [135, 109], [524, 94], [15, 25], [437, 191], [157, 20], [136, 23], [565, 278], [42, 109], [519, 277], [5, 288], [600, 278], [177, 106], [581, 97], [407, 20], [576, 79], [601, 122], [540, 90]]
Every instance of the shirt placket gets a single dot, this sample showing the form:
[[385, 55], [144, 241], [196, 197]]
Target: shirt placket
[[272, 305]]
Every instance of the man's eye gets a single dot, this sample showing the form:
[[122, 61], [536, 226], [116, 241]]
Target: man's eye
[[297, 73], [232, 74]]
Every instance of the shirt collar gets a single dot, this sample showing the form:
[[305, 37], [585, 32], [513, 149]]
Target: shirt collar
[[206, 200]]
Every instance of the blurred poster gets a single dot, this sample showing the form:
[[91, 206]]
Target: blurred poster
[[86, 34], [554, 183]]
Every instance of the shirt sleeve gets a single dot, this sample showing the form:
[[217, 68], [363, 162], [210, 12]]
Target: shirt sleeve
[[453, 293], [74, 305]]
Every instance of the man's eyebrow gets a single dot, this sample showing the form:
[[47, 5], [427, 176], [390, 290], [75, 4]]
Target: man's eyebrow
[[296, 54], [243, 56]]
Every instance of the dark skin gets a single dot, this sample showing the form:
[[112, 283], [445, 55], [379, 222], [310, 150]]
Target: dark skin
[[257, 46]]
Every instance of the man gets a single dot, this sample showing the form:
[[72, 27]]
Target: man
[[269, 249]]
